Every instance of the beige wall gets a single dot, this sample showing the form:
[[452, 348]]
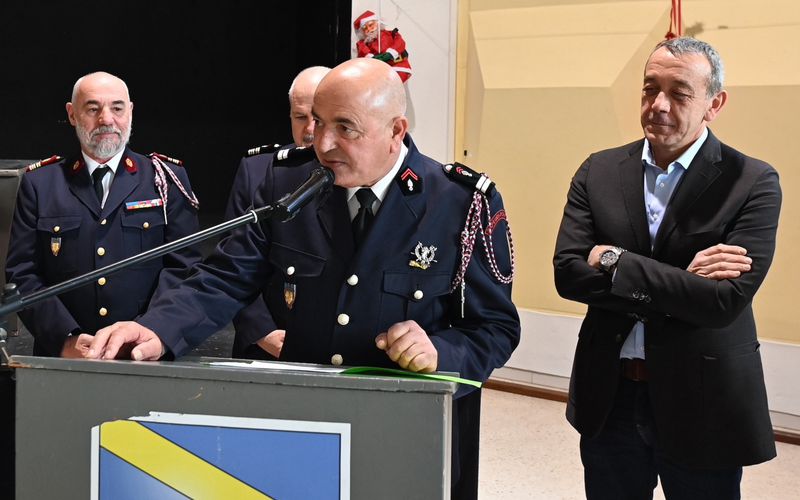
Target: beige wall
[[543, 83]]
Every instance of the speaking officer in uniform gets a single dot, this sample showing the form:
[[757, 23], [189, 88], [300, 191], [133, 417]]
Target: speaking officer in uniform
[[667, 240], [259, 334], [100, 206], [372, 273]]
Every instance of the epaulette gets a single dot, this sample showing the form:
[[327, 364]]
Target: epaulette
[[166, 158], [43, 163], [266, 148], [465, 175], [292, 157]]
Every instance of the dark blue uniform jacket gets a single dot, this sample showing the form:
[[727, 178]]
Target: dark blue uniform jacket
[[333, 315], [254, 321], [59, 232]]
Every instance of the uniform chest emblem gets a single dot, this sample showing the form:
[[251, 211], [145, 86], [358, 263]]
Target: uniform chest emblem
[[55, 245], [289, 294], [423, 256]]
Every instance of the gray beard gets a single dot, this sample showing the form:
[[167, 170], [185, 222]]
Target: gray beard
[[104, 148]]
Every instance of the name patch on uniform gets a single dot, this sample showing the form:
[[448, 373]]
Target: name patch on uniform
[[136, 205]]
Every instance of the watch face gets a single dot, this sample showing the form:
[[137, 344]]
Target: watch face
[[608, 258]]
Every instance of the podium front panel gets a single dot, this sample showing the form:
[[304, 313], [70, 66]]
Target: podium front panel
[[399, 428]]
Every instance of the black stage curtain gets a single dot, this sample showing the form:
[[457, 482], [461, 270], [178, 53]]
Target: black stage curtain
[[208, 79]]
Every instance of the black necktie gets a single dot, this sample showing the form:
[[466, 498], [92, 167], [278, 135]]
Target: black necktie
[[97, 178], [364, 217]]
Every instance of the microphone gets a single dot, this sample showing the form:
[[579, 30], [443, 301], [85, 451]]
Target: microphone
[[320, 180]]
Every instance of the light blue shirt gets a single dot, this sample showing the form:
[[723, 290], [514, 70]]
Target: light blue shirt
[[658, 188]]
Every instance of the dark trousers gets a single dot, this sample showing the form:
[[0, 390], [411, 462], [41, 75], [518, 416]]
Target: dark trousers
[[623, 462], [465, 442]]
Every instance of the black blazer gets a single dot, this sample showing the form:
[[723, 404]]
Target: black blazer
[[706, 380]]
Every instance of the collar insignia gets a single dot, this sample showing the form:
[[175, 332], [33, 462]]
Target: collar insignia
[[409, 182], [77, 166], [130, 166]]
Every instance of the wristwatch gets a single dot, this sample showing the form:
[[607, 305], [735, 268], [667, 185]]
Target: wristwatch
[[609, 259]]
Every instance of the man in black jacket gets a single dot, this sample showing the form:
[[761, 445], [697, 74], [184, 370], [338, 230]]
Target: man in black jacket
[[667, 240]]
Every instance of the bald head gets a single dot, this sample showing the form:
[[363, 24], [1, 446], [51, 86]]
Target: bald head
[[301, 97], [307, 80], [100, 79], [359, 109], [371, 81]]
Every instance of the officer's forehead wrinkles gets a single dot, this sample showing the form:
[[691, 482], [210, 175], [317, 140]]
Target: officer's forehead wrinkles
[[95, 101], [337, 118]]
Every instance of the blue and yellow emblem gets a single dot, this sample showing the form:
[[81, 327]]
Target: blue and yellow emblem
[[201, 456]]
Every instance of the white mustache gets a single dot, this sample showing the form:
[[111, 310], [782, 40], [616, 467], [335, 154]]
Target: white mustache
[[105, 130]]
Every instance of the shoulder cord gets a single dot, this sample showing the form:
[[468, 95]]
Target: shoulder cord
[[472, 228], [162, 187]]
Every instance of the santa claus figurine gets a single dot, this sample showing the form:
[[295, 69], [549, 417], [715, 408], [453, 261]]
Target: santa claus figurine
[[374, 40]]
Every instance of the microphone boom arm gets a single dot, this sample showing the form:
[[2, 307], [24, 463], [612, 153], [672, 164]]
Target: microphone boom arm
[[319, 179]]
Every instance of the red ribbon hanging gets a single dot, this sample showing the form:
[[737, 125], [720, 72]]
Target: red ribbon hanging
[[675, 21]]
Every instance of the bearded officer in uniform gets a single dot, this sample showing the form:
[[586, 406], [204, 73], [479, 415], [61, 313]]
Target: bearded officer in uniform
[[100, 206], [391, 291]]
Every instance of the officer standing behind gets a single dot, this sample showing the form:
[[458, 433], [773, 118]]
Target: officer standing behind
[[259, 334], [373, 273], [96, 208]]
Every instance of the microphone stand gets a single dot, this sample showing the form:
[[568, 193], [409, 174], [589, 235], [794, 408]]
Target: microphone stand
[[11, 301], [284, 209]]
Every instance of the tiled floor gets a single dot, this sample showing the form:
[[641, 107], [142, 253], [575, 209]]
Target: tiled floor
[[529, 451]]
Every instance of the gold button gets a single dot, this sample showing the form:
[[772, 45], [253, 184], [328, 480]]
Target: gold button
[[57, 229], [343, 319], [352, 280], [101, 281], [103, 222], [290, 270], [103, 311], [337, 359], [101, 251], [146, 225], [418, 295]]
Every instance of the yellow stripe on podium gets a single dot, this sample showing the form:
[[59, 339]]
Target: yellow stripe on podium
[[171, 464]]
